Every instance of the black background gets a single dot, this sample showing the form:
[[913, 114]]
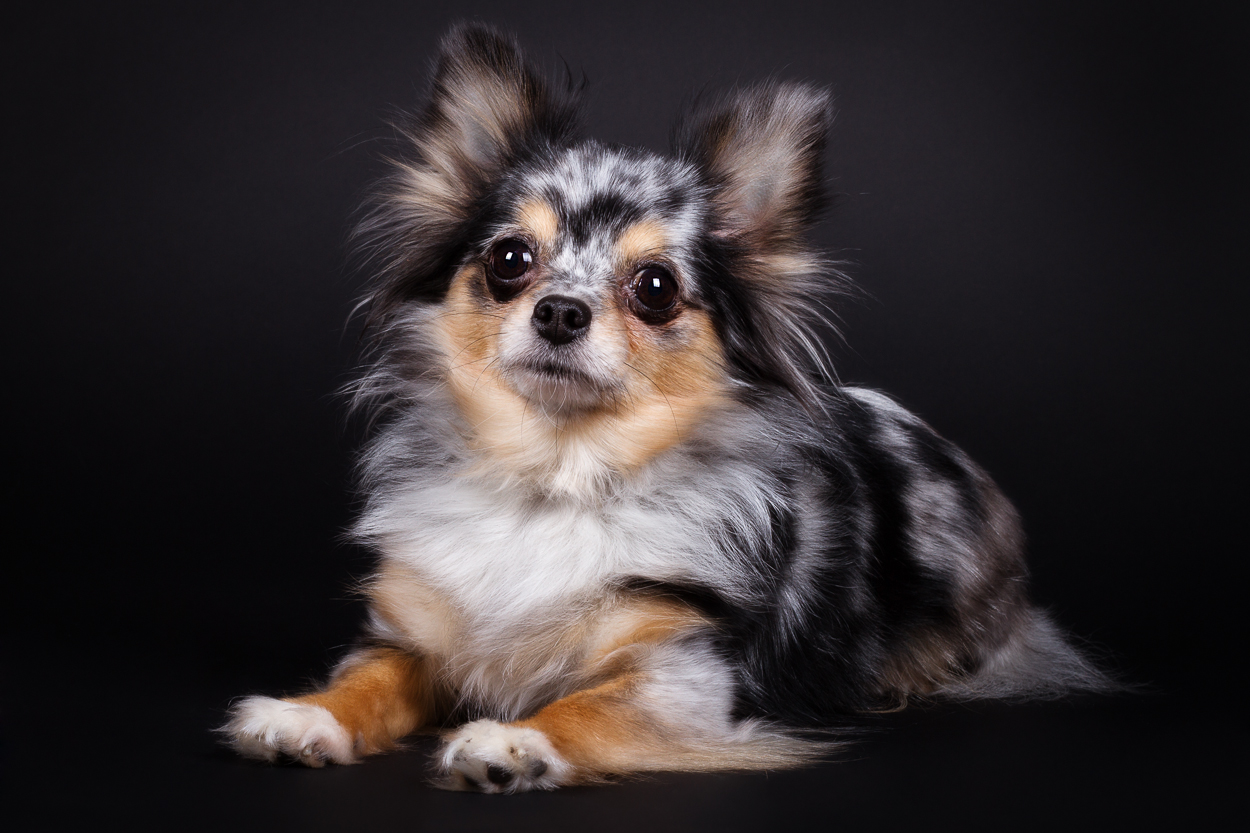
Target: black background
[[1043, 203]]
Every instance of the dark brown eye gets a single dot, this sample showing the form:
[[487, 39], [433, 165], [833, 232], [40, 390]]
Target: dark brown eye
[[510, 260], [655, 288]]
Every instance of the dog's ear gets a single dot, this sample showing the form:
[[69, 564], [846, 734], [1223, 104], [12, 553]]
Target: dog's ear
[[488, 110], [761, 150]]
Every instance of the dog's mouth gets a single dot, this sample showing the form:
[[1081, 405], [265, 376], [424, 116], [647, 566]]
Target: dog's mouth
[[556, 386], [562, 373]]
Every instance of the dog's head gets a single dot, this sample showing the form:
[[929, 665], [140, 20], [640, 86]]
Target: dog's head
[[592, 303]]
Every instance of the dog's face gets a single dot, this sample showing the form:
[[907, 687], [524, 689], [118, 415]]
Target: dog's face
[[583, 295], [590, 304], [580, 309]]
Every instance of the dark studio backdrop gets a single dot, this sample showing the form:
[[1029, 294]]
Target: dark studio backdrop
[[1043, 203]]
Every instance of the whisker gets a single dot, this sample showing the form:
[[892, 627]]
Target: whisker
[[473, 342], [482, 373], [676, 425]]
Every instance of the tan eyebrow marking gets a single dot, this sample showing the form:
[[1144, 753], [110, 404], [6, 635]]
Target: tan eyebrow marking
[[642, 240], [539, 219]]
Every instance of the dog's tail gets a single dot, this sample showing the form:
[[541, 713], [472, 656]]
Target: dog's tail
[[1038, 661]]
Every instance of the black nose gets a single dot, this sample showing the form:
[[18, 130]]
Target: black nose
[[560, 319]]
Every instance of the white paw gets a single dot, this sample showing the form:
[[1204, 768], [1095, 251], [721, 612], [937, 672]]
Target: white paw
[[494, 758], [265, 728]]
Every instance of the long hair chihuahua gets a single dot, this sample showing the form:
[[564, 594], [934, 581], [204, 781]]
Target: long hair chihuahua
[[624, 523]]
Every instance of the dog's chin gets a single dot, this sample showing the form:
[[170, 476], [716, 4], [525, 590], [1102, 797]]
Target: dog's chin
[[558, 390]]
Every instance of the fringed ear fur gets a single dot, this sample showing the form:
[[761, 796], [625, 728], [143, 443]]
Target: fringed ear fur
[[761, 153], [761, 149], [488, 110]]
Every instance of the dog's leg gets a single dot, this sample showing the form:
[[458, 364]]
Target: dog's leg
[[660, 699], [375, 697], [569, 741]]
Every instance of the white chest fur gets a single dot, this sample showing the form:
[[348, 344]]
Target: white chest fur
[[498, 557], [508, 590], [510, 594]]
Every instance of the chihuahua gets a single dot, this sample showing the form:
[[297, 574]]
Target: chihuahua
[[625, 518]]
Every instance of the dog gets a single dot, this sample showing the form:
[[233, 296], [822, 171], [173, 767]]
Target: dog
[[626, 519]]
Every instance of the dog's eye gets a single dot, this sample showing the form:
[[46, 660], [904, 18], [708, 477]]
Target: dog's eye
[[505, 272], [655, 288], [510, 260]]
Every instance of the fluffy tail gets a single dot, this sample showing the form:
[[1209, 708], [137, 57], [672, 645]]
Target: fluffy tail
[[1037, 662]]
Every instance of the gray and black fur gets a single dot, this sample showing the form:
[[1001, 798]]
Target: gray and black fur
[[836, 554], [917, 584]]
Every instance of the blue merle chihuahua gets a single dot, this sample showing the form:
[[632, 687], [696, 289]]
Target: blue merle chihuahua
[[624, 523]]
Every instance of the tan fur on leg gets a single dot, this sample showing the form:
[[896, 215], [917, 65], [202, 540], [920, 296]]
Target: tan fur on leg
[[601, 731], [378, 696]]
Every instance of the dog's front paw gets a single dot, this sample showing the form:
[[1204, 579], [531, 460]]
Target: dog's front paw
[[496, 758], [265, 728]]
